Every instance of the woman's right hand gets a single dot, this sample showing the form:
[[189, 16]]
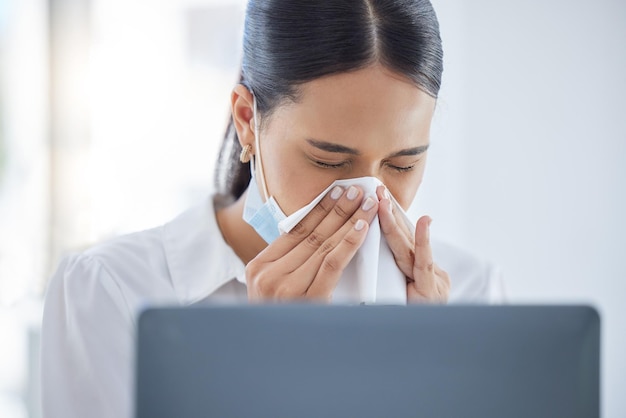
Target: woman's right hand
[[307, 262]]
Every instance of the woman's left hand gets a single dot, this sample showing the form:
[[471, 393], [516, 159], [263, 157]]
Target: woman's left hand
[[426, 282]]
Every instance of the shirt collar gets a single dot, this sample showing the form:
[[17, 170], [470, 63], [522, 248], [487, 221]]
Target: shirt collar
[[198, 258]]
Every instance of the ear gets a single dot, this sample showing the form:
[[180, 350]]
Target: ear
[[242, 108]]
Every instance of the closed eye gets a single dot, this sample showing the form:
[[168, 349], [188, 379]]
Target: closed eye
[[330, 165], [402, 169]]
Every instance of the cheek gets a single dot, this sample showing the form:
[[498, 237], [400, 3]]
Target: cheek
[[404, 191], [292, 183], [404, 196]]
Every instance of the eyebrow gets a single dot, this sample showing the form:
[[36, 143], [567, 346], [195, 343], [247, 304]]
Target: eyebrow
[[331, 147], [411, 151]]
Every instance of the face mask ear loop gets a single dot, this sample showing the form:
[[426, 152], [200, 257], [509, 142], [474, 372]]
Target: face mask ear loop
[[257, 145]]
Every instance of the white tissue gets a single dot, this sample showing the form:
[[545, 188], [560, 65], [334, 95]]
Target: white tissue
[[372, 276]]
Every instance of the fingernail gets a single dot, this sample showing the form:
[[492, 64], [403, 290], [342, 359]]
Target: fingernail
[[360, 224], [386, 194], [336, 193], [368, 204], [390, 207], [352, 192]]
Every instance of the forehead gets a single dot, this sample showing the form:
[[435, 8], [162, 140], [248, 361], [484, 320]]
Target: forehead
[[372, 103]]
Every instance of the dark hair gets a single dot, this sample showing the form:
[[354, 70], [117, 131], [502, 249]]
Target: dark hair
[[290, 42]]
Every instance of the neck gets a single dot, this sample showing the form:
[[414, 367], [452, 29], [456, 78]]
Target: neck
[[240, 236]]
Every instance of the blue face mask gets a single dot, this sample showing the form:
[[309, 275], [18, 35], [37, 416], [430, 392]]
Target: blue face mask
[[262, 216]]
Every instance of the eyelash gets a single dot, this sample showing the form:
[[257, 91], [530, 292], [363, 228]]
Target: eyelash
[[341, 165], [326, 165], [403, 169]]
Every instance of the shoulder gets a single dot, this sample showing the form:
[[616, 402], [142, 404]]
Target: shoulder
[[473, 280], [87, 333], [113, 273], [179, 262], [134, 261], [92, 302]]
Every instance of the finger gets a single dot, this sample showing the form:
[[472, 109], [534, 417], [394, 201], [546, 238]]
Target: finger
[[333, 222], [443, 284], [331, 265], [314, 260], [400, 219], [398, 238], [314, 263], [286, 242], [423, 267], [439, 294]]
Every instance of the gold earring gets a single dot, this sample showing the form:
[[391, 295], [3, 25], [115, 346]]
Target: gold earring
[[244, 157]]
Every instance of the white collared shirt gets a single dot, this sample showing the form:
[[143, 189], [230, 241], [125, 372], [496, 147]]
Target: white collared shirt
[[92, 300]]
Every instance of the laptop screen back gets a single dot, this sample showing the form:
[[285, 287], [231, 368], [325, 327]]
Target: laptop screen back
[[368, 361]]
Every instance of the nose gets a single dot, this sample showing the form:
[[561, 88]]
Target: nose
[[371, 170]]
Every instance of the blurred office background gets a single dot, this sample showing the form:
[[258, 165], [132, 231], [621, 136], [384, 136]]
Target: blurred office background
[[111, 112]]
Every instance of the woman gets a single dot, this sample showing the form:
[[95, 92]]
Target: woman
[[334, 89]]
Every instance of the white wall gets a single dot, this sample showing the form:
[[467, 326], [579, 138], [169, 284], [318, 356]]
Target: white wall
[[528, 163]]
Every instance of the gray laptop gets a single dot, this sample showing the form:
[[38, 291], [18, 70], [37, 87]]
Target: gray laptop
[[301, 361]]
